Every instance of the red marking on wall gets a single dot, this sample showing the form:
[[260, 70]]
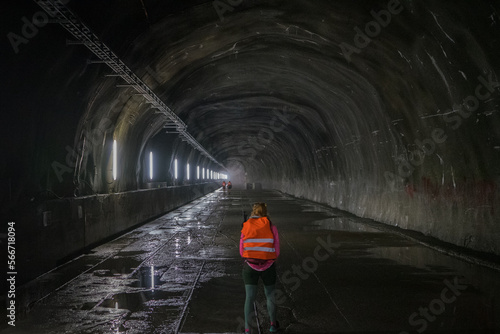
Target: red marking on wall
[[467, 193]]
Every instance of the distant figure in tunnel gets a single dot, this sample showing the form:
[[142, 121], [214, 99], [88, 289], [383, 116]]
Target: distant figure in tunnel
[[224, 185], [260, 247], [229, 185]]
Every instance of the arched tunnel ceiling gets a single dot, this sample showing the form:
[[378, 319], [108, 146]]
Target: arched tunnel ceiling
[[348, 97], [228, 68], [228, 79]]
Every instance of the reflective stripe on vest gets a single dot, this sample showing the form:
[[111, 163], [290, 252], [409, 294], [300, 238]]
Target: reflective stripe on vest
[[271, 241], [262, 249]]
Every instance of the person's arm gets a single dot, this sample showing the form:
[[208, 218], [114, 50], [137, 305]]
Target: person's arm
[[276, 241], [241, 244]]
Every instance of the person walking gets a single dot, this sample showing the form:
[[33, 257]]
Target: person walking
[[260, 247]]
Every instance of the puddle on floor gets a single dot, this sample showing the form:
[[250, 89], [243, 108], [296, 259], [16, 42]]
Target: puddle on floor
[[149, 277], [144, 300], [116, 266]]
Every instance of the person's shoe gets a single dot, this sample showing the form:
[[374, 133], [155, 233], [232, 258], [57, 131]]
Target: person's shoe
[[275, 326]]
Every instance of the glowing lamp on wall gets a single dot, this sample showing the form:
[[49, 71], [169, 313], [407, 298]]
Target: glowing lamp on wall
[[175, 169], [115, 160], [150, 165]]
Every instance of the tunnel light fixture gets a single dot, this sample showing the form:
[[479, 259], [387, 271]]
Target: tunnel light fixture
[[150, 165], [115, 160], [152, 278], [203, 173], [197, 172], [175, 169], [187, 170]]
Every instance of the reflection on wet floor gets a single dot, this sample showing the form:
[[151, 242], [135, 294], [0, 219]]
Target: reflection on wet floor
[[339, 224], [149, 277], [116, 267], [182, 274]]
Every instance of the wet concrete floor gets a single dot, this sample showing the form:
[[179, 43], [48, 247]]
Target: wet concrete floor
[[181, 273]]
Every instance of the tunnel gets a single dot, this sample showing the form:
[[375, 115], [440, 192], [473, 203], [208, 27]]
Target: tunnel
[[116, 113]]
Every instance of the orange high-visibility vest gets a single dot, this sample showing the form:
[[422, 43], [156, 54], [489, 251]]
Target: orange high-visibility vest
[[258, 240]]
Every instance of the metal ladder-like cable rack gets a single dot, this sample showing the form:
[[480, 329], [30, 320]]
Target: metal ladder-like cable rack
[[69, 21]]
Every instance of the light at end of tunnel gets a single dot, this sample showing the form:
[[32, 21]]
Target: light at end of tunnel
[[175, 169], [115, 160], [151, 165]]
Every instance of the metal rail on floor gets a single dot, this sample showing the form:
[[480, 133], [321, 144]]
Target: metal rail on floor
[[84, 35], [183, 314]]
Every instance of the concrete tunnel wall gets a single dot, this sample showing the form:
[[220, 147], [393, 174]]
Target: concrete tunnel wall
[[386, 109], [65, 228]]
